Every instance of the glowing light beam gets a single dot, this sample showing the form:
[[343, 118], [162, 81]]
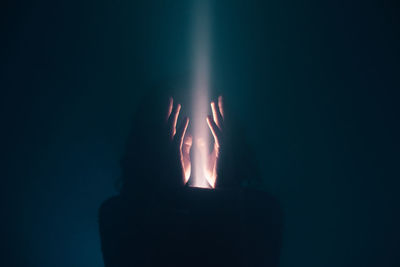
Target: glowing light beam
[[201, 132]]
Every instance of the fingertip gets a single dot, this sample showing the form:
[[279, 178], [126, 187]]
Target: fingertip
[[213, 106], [221, 105], [170, 105]]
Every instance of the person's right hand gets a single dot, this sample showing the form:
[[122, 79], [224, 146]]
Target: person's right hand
[[216, 125]]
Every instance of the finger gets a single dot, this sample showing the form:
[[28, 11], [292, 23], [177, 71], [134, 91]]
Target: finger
[[180, 133], [214, 111], [173, 119], [217, 115], [214, 130], [170, 105], [221, 106]]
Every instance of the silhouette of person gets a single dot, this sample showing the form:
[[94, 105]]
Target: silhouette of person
[[158, 220]]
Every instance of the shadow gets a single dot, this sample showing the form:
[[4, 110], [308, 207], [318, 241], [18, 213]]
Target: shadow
[[155, 222]]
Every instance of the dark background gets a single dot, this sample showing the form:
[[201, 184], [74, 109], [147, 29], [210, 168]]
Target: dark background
[[318, 87]]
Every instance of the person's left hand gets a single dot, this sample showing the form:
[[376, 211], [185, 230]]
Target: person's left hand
[[181, 144]]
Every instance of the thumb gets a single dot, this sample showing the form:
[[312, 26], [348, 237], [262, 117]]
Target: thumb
[[187, 143]]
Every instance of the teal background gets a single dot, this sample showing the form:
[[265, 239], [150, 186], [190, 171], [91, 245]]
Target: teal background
[[315, 85]]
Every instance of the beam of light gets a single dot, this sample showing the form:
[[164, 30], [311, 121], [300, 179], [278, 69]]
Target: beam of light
[[201, 80]]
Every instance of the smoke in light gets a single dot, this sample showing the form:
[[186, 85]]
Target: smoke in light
[[201, 132]]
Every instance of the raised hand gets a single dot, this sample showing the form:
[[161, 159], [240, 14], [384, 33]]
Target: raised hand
[[181, 143], [216, 125]]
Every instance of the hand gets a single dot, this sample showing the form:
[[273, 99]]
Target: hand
[[181, 144], [215, 123]]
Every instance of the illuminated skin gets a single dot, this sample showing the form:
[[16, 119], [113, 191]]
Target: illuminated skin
[[181, 142], [215, 123]]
